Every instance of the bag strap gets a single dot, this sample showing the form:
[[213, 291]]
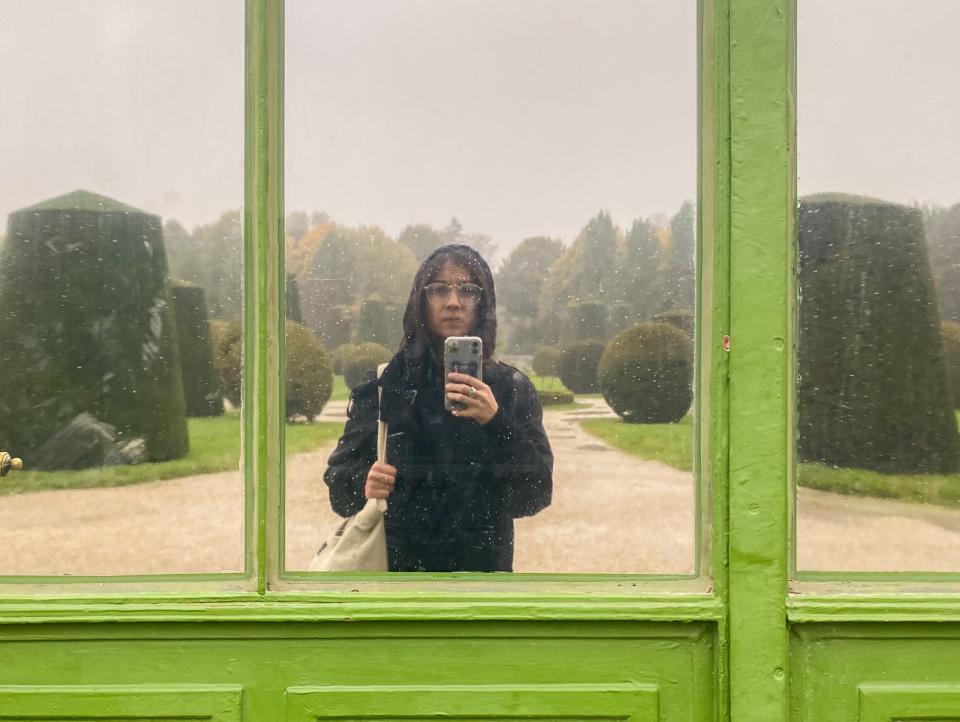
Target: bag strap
[[381, 425], [381, 435]]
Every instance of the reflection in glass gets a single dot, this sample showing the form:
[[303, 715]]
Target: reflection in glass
[[111, 390], [428, 138], [878, 446]]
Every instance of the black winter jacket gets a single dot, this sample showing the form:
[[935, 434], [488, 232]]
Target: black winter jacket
[[459, 485]]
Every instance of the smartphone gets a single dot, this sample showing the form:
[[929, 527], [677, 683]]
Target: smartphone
[[464, 355]]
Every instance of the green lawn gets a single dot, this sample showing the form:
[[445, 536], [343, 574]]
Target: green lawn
[[942, 489], [340, 390], [547, 383], [214, 446], [672, 444], [575, 406]]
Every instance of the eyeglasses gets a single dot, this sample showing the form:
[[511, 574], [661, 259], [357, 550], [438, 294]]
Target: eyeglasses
[[468, 293]]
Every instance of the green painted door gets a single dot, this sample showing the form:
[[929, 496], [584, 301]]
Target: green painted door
[[215, 215]]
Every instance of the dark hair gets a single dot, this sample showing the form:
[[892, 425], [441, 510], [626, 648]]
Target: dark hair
[[415, 329]]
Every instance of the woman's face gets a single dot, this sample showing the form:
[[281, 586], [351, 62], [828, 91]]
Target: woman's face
[[456, 314]]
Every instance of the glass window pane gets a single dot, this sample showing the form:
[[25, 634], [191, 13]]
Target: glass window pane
[[879, 253], [122, 147], [557, 140]]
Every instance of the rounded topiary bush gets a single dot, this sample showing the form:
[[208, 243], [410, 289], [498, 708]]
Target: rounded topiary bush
[[88, 331], [546, 361], [646, 374], [950, 332], [873, 390], [309, 373], [309, 380], [201, 386], [362, 360], [578, 366], [227, 337]]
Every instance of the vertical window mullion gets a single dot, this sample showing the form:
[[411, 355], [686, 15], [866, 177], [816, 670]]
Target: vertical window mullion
[[263, 274]]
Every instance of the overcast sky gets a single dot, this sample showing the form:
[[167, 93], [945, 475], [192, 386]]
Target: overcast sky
[[878, 107], [520, 117]]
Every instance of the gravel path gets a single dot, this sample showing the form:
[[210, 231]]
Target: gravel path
[[611, 512]]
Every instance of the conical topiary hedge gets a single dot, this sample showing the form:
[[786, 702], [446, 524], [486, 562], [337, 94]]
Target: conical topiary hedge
[[873, 389], [201, 385], [292, 311], [950, 334], [87, 328]]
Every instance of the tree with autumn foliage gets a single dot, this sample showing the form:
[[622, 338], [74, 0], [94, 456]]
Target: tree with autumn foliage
[[338, 268]]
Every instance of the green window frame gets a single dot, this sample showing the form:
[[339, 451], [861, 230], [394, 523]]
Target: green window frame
[[262, 413], [747, 197]]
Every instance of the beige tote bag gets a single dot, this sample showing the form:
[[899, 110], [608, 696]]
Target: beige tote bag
[[359, 544]]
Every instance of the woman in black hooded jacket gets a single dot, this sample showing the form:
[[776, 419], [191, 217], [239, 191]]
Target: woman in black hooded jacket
[[455, 481]]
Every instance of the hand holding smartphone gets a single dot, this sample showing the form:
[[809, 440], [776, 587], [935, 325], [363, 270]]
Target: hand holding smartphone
[[462, 354]]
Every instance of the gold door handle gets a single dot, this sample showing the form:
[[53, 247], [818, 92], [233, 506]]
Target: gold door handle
[[8, 463]]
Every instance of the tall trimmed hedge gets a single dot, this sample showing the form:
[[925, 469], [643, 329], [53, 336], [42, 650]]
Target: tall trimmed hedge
[[87, 327], [873, 387], [373, 322], [201, 386], [950, 333], [334, 325], [586, 320], [292, 310], [646, 374], [578, 366]]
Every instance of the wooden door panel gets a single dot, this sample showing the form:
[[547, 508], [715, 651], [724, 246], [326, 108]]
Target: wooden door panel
[[875, 672], [127, 703], [625, 703]]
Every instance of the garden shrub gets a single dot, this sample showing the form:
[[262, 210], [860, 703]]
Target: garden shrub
[[553, 398], [362, 360], [546, 361], [227, 339], [309, 379], [201, 385], [950, 333], [646, 374], [87, 327], [309, 373], [873, 390], [578, 366]]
